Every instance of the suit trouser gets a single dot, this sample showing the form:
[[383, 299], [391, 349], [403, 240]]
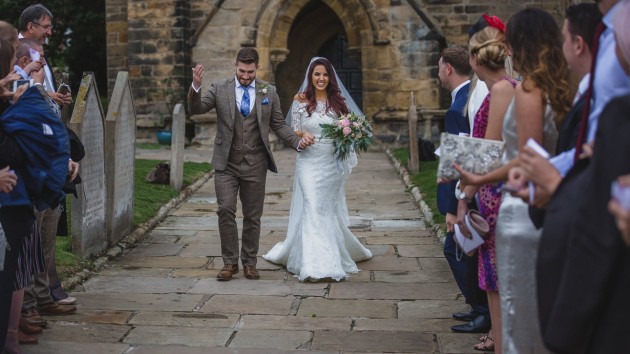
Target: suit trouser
[[248, 181], [37, 292], [17, 224]]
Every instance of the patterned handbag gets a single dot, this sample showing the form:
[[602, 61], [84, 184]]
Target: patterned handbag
[[475, 155]]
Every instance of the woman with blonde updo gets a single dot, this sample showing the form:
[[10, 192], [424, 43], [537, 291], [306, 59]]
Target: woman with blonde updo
[[540, 101], [488, 56]]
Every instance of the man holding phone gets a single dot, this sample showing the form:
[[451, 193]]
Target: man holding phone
[[36, 26]]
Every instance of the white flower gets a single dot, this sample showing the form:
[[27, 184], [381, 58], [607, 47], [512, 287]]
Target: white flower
[[263, 91]]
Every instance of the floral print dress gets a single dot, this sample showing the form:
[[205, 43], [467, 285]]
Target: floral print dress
[[488, 201]]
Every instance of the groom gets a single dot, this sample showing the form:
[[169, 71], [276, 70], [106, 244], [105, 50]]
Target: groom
[[246, 109]]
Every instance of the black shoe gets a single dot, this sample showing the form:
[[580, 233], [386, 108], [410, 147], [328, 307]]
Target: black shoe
[[480, 324], [466, 316]]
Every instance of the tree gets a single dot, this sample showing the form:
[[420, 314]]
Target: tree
[[78, 42]]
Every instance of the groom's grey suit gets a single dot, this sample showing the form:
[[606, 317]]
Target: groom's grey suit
[[241, 158]]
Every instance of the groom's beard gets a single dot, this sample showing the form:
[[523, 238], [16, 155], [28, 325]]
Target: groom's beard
[[245, 82]]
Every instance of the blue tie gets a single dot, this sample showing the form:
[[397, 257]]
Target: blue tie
[[245, 101]]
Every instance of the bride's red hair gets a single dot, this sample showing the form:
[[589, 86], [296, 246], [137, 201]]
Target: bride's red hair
[[336, 102]]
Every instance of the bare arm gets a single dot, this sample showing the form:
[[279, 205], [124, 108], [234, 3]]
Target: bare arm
[[502, 95], [530, 113]]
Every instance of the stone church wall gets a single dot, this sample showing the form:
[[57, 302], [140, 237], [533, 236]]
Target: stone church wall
[[396, 42]]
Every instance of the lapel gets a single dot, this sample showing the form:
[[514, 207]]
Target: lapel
[[231, 87], [258, 104]]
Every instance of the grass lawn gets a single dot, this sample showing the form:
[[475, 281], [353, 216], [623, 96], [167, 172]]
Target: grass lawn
[[148, 198], [426, 180]]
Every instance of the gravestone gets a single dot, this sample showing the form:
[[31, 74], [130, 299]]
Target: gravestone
[[120, 141], [178, 137], [89, 232]]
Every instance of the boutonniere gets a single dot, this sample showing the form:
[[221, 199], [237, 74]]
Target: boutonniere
[[263, 89]]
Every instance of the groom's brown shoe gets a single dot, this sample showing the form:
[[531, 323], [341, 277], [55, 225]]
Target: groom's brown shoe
[[227, 272], [251, 272]]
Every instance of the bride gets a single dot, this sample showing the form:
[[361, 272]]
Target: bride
[[319, 244]]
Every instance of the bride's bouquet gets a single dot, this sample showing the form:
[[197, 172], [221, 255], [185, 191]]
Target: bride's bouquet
[[348, 132]]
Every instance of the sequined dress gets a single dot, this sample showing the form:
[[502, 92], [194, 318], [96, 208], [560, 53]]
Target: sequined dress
[[318, 243], [517, 250]]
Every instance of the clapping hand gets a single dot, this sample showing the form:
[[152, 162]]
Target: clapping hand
[[8, 180], [622, 215]]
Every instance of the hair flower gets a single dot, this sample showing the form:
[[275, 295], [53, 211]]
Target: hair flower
[[495, 22]]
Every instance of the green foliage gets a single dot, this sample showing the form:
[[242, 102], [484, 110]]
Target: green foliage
[[148, 198], [425, 180], [78, 41]]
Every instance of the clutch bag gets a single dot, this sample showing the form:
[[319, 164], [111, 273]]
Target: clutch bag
[[475, 155]]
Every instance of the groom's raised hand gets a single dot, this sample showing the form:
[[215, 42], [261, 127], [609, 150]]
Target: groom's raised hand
[[197, 76]]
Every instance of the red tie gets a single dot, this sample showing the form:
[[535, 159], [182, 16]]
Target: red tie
[[586, 110]]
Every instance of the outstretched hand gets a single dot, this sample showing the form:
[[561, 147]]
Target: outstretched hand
[[197, 75]]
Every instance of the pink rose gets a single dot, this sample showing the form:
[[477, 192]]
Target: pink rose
[[345, 123], [346, 131]]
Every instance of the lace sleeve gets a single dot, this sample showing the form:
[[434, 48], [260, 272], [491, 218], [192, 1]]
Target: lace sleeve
[[297, 113]]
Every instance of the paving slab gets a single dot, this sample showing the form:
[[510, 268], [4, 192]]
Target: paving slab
[[430, 308], [202, 250], [84, 332], [133, 271], [249, 304], [393, 291], [170, 349], [317, 307], [156, 250], [434, 250], [272, 339], [382, 250], [161, 238], [137, 302], [457, 342], [184, 319], [195, 273], [241, 286], [294, 323], [298, 288], [163, 262], [389, 263], [167, 335], [423, 276], [373, 341], [138, 285], [422, 325], [95, 316], [435, 264], [400, 240], [73, 347]]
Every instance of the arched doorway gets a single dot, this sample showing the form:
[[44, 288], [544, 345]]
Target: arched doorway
[[317, 31]]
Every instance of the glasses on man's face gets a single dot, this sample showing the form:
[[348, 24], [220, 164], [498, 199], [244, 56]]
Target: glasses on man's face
[[46, 28]]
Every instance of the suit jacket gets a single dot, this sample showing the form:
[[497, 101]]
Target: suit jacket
[[221, 96], [590, 314], [455, 122]]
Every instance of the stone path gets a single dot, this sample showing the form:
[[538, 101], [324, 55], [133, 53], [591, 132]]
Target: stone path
[[162, 296]]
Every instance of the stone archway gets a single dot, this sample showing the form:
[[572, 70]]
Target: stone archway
[[305, 41], [290, 32]]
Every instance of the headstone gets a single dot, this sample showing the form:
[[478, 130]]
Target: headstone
[[120, 141], [89, 233], [414, 159], [178, 137]]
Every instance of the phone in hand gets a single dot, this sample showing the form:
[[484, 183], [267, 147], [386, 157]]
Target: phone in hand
[[63, 89], [20, 82]]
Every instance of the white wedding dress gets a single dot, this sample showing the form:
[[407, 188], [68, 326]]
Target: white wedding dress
[[318, 244]]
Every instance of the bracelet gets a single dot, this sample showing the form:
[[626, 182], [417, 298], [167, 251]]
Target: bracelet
[[464, 197]]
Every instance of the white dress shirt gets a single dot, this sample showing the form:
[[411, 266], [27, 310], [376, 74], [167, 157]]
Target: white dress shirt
[[238, 93]]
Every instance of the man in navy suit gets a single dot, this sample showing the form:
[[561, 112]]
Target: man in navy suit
[[454, 72]]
